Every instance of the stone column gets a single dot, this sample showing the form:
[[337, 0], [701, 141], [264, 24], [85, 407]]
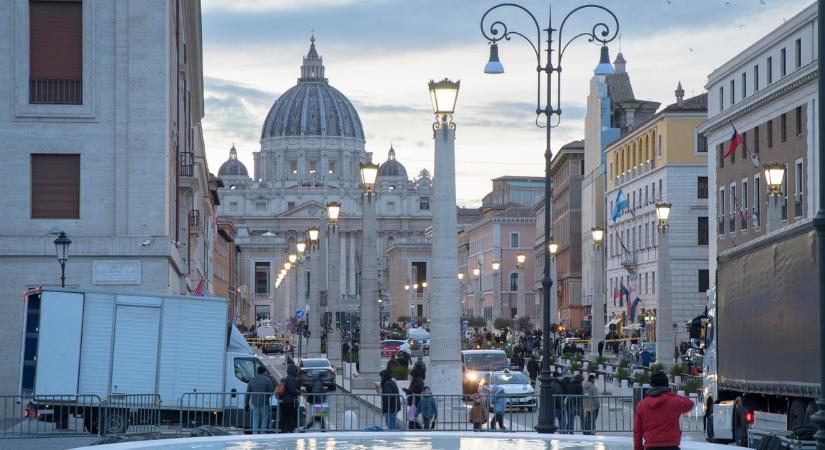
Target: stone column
[[369, 354], [774, 213], [597, 307], [445, 344], [664, 301], [351, 264], [334, 297], [498, 301]]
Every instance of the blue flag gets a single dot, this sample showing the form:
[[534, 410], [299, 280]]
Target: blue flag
[[621, 205]]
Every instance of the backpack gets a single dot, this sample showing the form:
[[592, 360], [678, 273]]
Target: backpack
[[280, 389]]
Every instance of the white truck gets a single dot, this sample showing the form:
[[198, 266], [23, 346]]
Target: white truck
[[759, 338], [83, 349]]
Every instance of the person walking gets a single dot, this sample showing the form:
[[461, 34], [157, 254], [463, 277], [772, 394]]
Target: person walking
[[656, 422], [478, 413], [591, 404], [259, 390], [575, 392], [390, 399], [533, 369], [557, 386], [428, 408], [414, 392], [517, 361], [318, 407], [420, 368], [499, 400], [288, 404], [600, 348]]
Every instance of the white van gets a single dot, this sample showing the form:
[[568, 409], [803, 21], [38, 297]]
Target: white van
[[478, 364]]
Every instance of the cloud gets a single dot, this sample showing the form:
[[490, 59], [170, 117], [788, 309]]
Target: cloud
[[212, 6]]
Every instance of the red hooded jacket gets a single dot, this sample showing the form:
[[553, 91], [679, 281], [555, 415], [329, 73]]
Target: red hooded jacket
[[657, 419]]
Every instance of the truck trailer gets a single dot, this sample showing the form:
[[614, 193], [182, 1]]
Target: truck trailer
[[85, 349], [760, 338]]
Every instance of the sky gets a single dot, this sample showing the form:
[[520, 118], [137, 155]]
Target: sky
[[382, 53]]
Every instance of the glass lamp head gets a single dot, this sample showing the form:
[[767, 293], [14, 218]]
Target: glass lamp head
[[460, 276], [663, 213], [61, 247], [313, 234], [553, 248], [496, 265], [476, 271], [292, 258], [287, 265], [333, 212], [493, 65], [301, 246], [443, 95], [520, 258], [774, 174], [369, 173]]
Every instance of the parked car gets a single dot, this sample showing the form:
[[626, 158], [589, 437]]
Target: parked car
[[516, 385], [308, 367], [419, 347], [272, 347], [390, 347]]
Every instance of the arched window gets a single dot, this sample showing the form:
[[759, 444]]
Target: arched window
[[514, 281]]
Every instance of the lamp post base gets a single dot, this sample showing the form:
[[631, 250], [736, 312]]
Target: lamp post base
[[547, 410]]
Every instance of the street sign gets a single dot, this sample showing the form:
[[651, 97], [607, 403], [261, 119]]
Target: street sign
[[299, 314]]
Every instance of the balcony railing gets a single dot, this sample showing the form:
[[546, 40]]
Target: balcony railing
[[194, 220], [187, 164], [56, 92]]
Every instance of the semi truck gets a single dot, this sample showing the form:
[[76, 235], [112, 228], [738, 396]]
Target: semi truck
[[760, 338], [145, 356]]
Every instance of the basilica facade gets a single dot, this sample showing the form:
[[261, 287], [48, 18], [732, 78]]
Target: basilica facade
[[311, 147]]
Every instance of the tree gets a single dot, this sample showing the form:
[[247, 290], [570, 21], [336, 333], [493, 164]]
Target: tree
[[524, 323], [476, 322], [402, 319], [502, 323]]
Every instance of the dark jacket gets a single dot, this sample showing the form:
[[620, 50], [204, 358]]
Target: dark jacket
[[419, 369], [533, 368], [517, 361], [390, 400], [656, 423], [261, 384], [415, 390], [291, 392]]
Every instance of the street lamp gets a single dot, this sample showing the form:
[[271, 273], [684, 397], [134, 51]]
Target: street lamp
[[424, 285], [663, 213], [61, 248], [333, 212], [597, 305], [313, 236], [406, 286], [554, 248], [444, 95], [369, 173], [774, 173], [494, 31], [597, 235], [287, 265], [496, 265], [301, 246], [520, 258], [460, 276], [497, 301], [292, 258], [476, 272]]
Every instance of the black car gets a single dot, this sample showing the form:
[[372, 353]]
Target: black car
[[310, 367], [273, 347]]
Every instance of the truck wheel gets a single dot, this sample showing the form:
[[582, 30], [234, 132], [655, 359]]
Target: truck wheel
[[90, 423], [796, 414], [115, 421], [740, 426], [810, 410]]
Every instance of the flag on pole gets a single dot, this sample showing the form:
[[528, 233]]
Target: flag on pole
[[621, 242], [735, 142], [737, 205], [199, 290], [621, 205]]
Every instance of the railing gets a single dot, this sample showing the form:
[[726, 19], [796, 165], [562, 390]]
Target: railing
[[56, 92], [186, 166], [194, 219], [255, 413]]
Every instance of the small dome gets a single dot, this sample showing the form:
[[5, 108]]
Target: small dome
[[233, 167], [312, 107], [391, 167]]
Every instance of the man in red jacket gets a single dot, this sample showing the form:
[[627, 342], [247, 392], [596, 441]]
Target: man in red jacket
[[656, 425]]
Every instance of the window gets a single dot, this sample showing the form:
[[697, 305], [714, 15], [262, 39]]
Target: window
[[769, 70], [424, 203], [581, 170], [262, 312], [312, 167], [56, 52], [744, 85], [391, 206], [721, 98], [756, 78], [261, 277], [646, 287], [247, 368], [704, 280], [260, 206], [647, 235], [661, 191], [653, 281], [783, 62], [798, 121], [660, 146], [331, 167], [293, 167], [785, 195], [756, 202], [744, 144], [290, 206], [55, 186], [756, 139], [721, 211], [732, 92], [734, 206], [798, 45], [743, 213], [654, 191], [701, 144], [783, 128], [702, 187], [798, 178], [647, 196], [720, 150], [703, 231], [513, 240], [233, 206], [514, 282], [770, 134]]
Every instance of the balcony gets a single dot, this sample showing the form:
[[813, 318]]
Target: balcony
[[186, 166], [195, 221], [628, 261], [56, 92]]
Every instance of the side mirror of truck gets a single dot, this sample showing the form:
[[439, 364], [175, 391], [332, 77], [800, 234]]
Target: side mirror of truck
[[697, 332]]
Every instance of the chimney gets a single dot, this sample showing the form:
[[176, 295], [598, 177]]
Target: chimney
[[680, 95]]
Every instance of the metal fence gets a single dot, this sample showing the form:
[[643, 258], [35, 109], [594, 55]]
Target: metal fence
[[250, 413], [24, 416]]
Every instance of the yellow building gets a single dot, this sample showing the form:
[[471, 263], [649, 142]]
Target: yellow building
[[662, 160]]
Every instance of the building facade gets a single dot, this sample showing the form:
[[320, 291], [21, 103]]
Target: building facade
[[768, 93], [227, 255], [103, 129], [312, 144], [568, 170], [662, 160]]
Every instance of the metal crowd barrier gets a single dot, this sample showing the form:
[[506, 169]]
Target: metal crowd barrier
[[250, 413], [129, 413]]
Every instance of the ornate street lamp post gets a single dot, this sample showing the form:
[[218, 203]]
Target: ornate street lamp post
[[664, 307], [333, 286], [314, 314], [495, 31], [369, 353], [444, 341], [61, 248]]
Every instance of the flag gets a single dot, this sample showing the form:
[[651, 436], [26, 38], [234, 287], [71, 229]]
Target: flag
[[623, 292], [616, 295], [737, 205], [632, 309], [735, 141], [621, 205], [199, 290], [621, 242]]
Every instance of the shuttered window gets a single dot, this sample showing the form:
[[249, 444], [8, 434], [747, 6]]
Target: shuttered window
[[55, 51], [55, 186]]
